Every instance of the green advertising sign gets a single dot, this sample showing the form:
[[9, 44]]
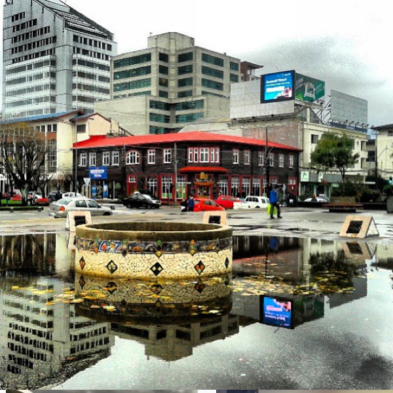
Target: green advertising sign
[[308, 89]]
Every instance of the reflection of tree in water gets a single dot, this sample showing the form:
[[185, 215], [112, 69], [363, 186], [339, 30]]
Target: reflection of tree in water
[[333, 273], [28, 252]]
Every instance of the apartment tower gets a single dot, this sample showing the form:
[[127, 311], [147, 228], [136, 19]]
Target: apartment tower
[[168, 85], [54, 59]]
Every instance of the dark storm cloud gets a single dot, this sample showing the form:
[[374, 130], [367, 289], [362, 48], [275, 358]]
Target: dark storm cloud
[[335, 61]]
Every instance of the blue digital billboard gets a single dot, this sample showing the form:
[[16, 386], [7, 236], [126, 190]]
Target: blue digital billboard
[[277, 312], [278, 86]]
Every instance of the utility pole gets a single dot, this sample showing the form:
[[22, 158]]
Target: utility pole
[[175, 181], [267, 161]]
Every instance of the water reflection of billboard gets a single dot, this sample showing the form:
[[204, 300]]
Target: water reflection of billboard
[[308, 89], [277, 312], [308, 308], [277, 87]]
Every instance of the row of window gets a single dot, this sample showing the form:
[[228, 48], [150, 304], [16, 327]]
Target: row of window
[[31, 34], [95, 89], [19, 16], [132, 73], [34, 89], [88, 41], [181, 106], [133, 85], [261, 159], [33, 66], [31, 101], [24, 25], [35, 55], [91, 64], [86, 75], [139, 93], [183, 57], [108, 158], [32, 78], [34, 45], [90, 53]]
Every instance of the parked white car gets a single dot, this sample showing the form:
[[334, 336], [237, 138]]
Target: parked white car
[[252, 202], [61, 208], [72, 195]]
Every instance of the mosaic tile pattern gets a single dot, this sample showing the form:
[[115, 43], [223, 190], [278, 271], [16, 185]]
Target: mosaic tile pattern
[[175, 259]]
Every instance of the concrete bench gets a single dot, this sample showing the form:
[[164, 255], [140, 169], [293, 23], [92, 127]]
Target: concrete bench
[[338, 204]]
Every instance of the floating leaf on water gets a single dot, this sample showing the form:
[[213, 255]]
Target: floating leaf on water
[[75, 301], [15, 287]]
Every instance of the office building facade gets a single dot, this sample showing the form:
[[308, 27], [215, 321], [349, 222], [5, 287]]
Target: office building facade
[[168, 85], [54, 59]]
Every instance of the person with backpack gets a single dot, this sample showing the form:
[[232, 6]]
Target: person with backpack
[[273, 197]]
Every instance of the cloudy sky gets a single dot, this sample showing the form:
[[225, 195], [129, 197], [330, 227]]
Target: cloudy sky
[[346, 43]]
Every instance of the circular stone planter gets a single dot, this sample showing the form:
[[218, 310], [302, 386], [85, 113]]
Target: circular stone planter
[[147, 250]]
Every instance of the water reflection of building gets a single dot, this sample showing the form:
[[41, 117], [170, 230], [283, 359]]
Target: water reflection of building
[[288, 269], [46, 253], [44, 341], [174, 342]]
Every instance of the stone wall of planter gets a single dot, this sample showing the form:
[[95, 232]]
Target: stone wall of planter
[[146, 250]]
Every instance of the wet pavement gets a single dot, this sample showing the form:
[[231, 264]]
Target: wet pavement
[[303, 309]]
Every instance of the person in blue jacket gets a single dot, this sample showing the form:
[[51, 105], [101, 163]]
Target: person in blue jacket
[[273, 197]]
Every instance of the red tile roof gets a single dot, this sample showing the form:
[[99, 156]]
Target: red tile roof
[[194, 136]]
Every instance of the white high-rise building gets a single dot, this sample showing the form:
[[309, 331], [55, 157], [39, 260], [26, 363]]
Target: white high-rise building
[[54, 59]]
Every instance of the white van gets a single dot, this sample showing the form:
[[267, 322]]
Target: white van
[[252, 202]]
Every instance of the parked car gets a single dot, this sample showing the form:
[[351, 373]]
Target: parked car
[[62, 207], [202, 205], [317, 199], [139, 200], [252, 202], [72, 195], [226, 201]]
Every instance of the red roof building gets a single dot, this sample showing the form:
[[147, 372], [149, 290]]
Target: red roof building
[[198, 163]]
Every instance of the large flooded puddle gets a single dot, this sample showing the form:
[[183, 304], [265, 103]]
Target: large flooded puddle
[[295, 314]]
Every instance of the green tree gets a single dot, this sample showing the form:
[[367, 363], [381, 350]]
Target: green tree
[[334, 152]]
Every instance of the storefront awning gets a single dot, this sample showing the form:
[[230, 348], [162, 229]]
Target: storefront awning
[[203, 169]]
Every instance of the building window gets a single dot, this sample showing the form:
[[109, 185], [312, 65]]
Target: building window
[[246, 186], [188, 69], [261, 157], [190, 117], [185, 57], [152, 185], [212, 60], [132, 60], [204, 154], [132, 158], [291, 161], [314, 139], [256, 186], [106, 158], [190, 155], [115, 158], [214, 155], [166, 187], [81, 128], [83, 159], [271, 159], [212, 72], [235, 155], [163, 57], [185, 93], [92, 159], [167, 156], [234, 66], [281, 160], [235, 186], [184, 82], [163, 82], [151, 156], [292, 181], [234, 78], [247, 155], [163, 70], [212, 84], [196, 155], [188, 105]]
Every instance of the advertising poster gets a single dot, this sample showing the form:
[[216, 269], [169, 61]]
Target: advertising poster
[[308, 89], [277, 312], [278, 86]]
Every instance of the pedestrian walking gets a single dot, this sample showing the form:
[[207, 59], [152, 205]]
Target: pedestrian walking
[[190, 204], [273, 197], [183, 205]]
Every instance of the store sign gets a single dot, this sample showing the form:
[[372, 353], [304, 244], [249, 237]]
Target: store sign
[[305, 176], [98, 173]]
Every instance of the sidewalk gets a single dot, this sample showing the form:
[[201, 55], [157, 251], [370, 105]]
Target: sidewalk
[[297, 222]]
